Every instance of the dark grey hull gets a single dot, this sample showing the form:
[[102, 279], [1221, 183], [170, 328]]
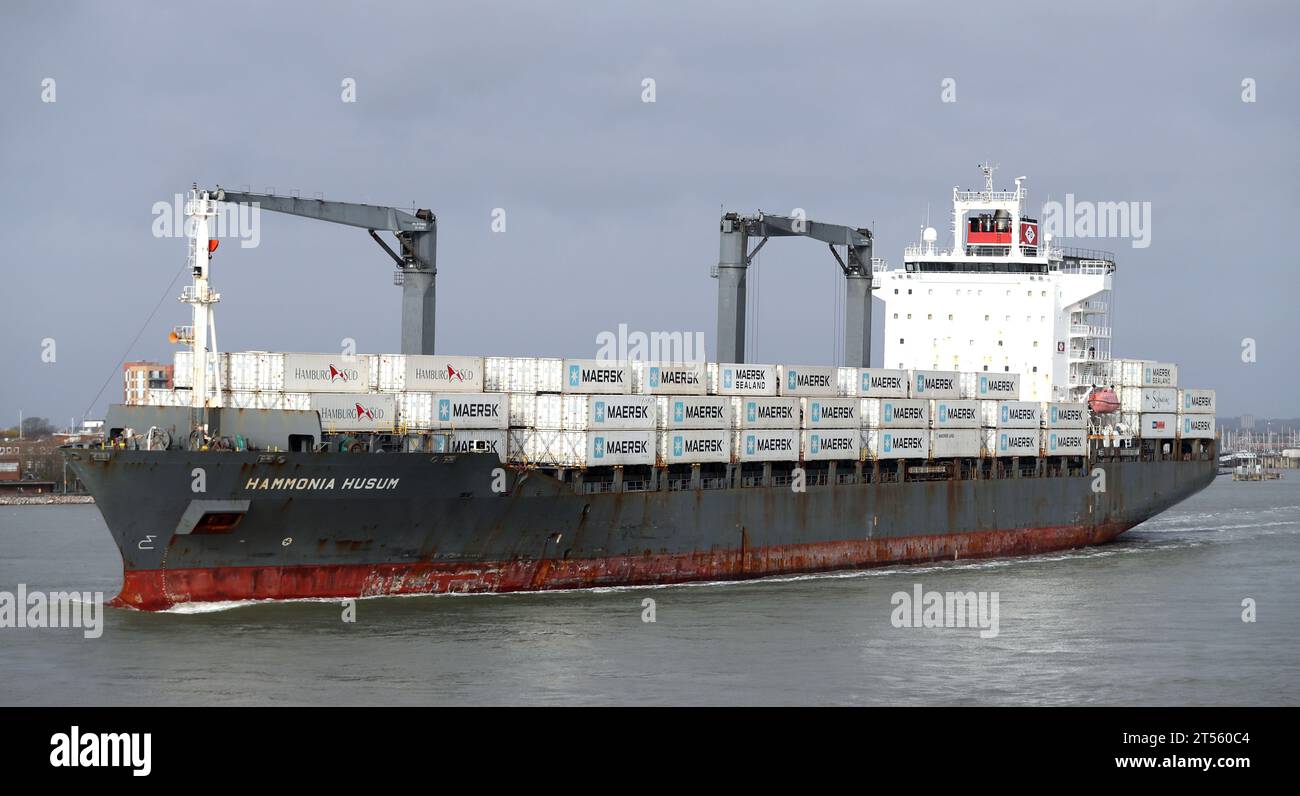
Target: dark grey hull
[[228, 526]]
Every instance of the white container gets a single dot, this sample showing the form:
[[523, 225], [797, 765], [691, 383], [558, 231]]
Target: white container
[[831, 412], [623, 412], [523, 374], [727, 378], [1157, 425], [953, 443], [597, 376], [801, 380], [881, 383], [297, 401], [1011, 414], [1144, 373], [936, 384], [1196, 426], [826, 444], [242, 370], [766, 445], [471, 410], [1065, 442], [546, 446], [694, 446], [896, 443], [847, 381], [165, 397], [1058, 414], [765, 412], [954, 414], [669, 378], [270, 372], [472, 441], [415, 410], [181, 370], [991, 386], [333, 373], [1012, 441], [370, 412], [1148, 399], [694, 412], [1196, 402], [895, 412], [434, 373], [606, 448]]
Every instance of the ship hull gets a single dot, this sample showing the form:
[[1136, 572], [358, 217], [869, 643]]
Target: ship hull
[[352, 525]]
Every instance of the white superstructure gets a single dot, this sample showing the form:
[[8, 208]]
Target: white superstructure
[[1001, 300]]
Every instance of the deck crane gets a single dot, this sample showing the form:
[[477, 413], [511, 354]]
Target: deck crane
[[417, 235], [735, 257]]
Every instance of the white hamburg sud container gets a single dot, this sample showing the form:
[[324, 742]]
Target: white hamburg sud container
[[346, 412], [432, 373], [322, 373]]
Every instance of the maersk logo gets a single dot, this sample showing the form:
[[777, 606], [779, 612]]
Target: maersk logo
[[889, 443], [444, 409], [599, 444], [815, 443], [793, 380], [920, 383], [677, 445], [943, 410], [816, 412], [1054, 420], [751, 411], [679, 411], [889, 413], [600, 411], [1002, 442], [575, 375], [726, 378], [749, 444], [984, 385], [654, 378]]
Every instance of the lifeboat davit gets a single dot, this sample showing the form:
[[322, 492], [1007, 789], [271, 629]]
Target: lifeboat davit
[[1103, 401]]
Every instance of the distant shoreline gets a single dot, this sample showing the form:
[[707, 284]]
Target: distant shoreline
[[44, 500]]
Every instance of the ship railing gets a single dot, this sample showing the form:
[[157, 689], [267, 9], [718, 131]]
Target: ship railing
[[987, 196], [713, 483]]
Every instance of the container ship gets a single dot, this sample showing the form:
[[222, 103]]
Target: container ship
[[262, 475]]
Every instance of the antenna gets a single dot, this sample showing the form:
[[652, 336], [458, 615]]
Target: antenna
[[988, 168]]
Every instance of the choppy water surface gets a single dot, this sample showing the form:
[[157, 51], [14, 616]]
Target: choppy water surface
[[1152, 619]]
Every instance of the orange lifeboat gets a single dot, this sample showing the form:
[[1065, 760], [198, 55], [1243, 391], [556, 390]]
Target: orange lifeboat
[[1103, 401]]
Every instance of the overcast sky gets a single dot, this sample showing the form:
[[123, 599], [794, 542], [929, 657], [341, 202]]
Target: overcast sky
[[611, 202]]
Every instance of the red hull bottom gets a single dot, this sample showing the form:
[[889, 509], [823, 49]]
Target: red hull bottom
[[152, 590]]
